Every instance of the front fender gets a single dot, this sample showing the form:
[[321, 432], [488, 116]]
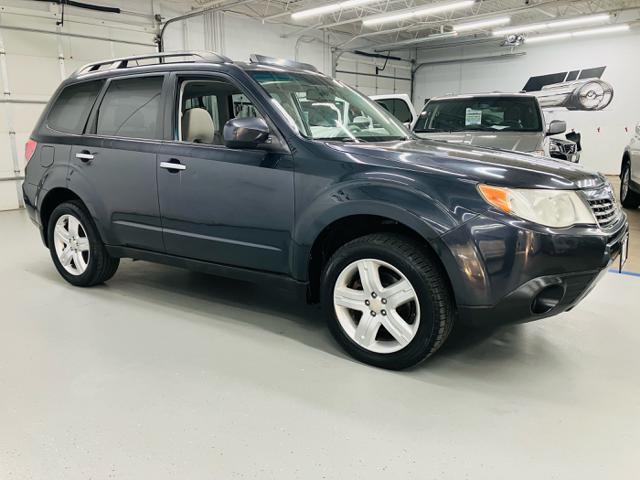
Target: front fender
[[373, 196]]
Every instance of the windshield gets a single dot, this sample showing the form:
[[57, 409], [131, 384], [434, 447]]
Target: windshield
[[505, 114], [325, 109]]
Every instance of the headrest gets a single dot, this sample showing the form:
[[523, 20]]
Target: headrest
[[197, 126]]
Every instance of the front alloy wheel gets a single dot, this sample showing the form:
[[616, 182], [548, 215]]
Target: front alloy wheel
[[387, 299], [376, 306]]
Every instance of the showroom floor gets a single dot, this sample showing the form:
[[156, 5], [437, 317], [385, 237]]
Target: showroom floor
[[164, 373]]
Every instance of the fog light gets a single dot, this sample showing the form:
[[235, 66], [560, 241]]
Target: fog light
[[547, 299]]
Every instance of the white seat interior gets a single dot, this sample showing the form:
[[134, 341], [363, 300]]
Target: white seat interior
[[197, 126]]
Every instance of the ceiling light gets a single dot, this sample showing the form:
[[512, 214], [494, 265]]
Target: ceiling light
[[580, 33], [569, 22], [596, 31], [492, 22], [332, 7], [428, 38], [417, 12]]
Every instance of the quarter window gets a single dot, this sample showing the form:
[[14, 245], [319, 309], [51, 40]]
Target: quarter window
[[70, 111], [130, 108]]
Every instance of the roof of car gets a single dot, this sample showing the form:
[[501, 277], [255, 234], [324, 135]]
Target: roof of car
[[487, 94], [197, 60]]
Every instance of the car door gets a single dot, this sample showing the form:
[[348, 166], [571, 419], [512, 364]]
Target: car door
[[222, 205], [634, 153], [113, 167]]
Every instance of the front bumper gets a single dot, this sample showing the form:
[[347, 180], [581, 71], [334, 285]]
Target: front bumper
[[504, 271]]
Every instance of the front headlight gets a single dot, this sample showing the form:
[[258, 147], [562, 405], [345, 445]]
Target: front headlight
[[554, 147], [553, 208]]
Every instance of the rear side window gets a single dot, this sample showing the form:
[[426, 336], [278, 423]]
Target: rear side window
[[130, 108], [70, 111], [398, 108]]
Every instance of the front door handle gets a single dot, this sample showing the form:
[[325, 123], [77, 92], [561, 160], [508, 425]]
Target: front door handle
[[85, 156], [173, 165]]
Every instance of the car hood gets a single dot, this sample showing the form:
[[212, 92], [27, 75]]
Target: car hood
[[493, 166], [518, 141]]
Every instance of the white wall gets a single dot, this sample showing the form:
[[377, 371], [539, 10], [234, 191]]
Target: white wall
[[34, 69], [619, 53]]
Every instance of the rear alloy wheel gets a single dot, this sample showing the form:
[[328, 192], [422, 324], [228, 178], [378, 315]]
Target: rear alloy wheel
[[628, 197], [387, 300], [71, 244], [76, 248]]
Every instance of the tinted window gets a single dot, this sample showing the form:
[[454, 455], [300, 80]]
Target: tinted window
[[130, 108], [216, 100], [398, 108], [69, 113], [510, 114]]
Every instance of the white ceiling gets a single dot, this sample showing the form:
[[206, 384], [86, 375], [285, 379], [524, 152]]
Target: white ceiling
[[348, 21]]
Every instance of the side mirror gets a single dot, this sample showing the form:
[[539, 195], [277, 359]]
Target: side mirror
[[638, 129], [556, 127], [246, 132]]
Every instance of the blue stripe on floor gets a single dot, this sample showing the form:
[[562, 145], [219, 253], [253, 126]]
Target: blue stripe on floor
[[624, 272]]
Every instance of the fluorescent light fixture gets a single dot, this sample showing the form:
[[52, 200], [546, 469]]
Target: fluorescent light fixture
[[597, 31], [332, 7], [428, 38], [569, 22], [545, 38], [580, 33], [492, 22], [416, 12]]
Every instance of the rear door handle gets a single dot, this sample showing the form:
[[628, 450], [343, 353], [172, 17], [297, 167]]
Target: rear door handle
[[173, 165], [84, 156]]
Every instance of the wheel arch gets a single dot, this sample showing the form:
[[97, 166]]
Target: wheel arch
[[626, 159], [349, 227], [50, 201]]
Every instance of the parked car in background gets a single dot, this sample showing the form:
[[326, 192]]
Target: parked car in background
[[193, 160], [562, 149], [400, 106], [630, 172], [509, 121]]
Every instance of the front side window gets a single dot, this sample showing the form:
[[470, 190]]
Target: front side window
[[493, 114], [205, 107], [130, 108], [325, 109], [69, 113]]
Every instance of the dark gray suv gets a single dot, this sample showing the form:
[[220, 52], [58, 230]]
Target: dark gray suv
[[271, 171]]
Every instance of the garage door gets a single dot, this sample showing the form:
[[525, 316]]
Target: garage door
[[361, 73], [33, 61]]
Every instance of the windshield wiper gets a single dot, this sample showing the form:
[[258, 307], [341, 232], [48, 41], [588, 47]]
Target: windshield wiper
[[336, 139]]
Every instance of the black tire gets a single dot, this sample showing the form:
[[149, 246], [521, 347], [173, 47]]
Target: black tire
[[418, 264], [101, 266], [632, 199]]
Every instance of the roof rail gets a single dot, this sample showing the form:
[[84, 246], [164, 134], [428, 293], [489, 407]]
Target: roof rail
[[161, 57], [282, 62]]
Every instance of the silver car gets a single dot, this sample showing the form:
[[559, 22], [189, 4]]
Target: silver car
[[510, 121], [630, 172]]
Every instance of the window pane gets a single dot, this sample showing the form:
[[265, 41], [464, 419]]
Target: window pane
[[398, 108], [130, 108], [323, 108], [242, 107], [499, 113], [69, 114]]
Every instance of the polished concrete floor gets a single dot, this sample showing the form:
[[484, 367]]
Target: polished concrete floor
[[166, 374]]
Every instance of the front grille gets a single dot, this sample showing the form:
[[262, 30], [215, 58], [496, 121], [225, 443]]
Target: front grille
[[604, 206]]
